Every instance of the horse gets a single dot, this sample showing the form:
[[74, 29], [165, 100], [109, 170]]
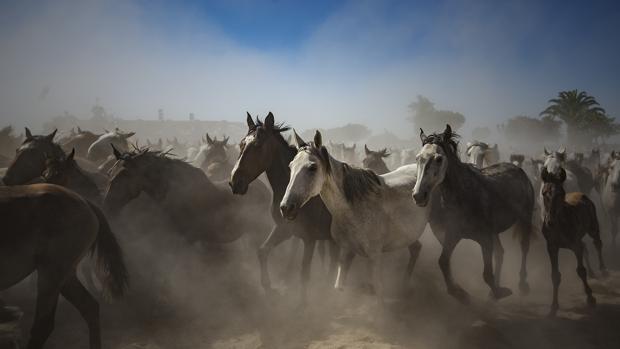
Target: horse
[[30, 160], [80, 141], [481, 154], [471, 203], [214, 160], [374, 160], [593, 161], [610, 192], [199, 209], [49, 229], [99, 151], [567, 219], [371, 213], [264, 149], [64, 171]]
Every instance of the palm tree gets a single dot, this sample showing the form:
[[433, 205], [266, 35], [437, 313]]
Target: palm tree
[[576, 109]]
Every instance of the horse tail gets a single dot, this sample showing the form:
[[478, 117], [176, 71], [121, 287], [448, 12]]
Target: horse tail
[[110, 258]]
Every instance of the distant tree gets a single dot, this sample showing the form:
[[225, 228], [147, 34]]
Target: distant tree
[[352, 133], [585, 119], [160, 114], [191, 117], [424, 115], [481, 133], [526, 129]]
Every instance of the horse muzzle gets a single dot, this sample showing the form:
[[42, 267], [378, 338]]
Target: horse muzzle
[[420, 198], [289, 211]]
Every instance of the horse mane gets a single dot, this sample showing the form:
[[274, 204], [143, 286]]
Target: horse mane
[[277, 129], [358, 182], [449, 143]]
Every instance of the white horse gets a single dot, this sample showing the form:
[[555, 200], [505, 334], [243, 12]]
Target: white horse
[[481, 154], [100, 149], [371, 214], [611, 193]]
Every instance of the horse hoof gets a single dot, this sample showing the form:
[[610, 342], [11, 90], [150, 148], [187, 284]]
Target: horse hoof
[[524, 288], [460, 294], [591, 302], [502, 292]]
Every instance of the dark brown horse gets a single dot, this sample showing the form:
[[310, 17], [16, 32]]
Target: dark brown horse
[[471, 203], [200, 210], [567, 219], [374, 160], [264, 149], [49, 229], [64, 171], [31, 157]]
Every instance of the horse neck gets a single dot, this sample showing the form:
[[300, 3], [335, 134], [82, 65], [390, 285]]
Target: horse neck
[[82, 182], [278, 172], [332, 192], [458, 177]]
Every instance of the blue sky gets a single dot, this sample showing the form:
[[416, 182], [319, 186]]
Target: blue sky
[[315, 64]]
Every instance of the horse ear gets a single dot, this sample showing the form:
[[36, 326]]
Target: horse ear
[[318, 139], [79, 129], [251, 124], [106, 131], [269, 121], [127, 135], [546, 151], [447, 133], [116, 153], [50, 137], [209, 139], [225, 141], [562, 150], [366, 150], [422, 136], [298, 141], [71, 155], [28, 133]]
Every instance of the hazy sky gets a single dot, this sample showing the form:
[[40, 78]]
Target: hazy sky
[[313, 63]]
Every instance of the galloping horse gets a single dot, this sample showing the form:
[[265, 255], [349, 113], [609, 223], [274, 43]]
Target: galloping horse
[[568, 218], [80, 141], [213, 159], [371, 214], [471, 203], [99, 151], [49, 229], [374, 160], [264, 149], [200, 210], [610, 186], [481, 154]]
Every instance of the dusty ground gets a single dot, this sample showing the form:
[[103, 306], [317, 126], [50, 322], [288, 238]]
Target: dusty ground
[[197, 298]]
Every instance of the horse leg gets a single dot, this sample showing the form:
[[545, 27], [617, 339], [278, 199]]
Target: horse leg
[[83, 301], [614, 230], [414, 253], [49, 282], [306, 263], [556, 277], [598, 244], [524, 286], [333, 256], [486, 245], [454, 289], [498, 256], [277, 235], [320, 246], [586, 257], [581, 271], [344, 263], [374, 266]]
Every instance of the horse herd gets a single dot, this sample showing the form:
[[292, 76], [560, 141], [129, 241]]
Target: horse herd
[[58, 196]]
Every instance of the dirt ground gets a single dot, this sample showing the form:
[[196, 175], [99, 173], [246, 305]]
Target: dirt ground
[[195, 297]]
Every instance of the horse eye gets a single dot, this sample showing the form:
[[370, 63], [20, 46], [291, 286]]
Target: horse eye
[[312, 167], [439, 159]]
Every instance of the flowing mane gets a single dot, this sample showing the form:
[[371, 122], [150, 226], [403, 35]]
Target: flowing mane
[[448, 142], [358, 182]]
